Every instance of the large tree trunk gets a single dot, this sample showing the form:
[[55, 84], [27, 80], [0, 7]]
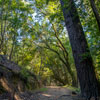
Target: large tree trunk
[[81, 53]]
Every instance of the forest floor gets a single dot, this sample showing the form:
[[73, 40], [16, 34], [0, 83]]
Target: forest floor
[[51, 93], [55, 93]]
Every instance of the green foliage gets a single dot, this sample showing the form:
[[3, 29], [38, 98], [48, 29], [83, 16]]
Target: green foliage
[[92, 32], [72, 88], [29, 38]]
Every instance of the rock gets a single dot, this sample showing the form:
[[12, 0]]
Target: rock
[[74, 93]]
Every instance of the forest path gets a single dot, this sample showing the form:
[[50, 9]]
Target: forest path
[[54, 93]]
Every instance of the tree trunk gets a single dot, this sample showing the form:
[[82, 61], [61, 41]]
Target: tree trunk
[[65, 54], [81, 53], [66, 63], [12, 49], [96, 13], [2, 35]]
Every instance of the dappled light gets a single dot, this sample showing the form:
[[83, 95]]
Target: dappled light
[[49, 49], [47, 95]]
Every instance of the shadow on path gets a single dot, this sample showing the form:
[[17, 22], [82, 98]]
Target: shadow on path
[[55, 93]]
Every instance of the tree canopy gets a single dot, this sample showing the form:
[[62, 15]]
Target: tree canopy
[[33, 34]]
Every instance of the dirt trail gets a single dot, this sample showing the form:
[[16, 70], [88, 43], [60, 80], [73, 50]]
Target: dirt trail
[[55, 93], [52, 93]]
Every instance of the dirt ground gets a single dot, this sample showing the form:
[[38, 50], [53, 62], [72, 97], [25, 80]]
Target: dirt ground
[[52, 93], [55, 93]]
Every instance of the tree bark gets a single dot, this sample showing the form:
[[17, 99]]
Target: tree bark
[[81, 53]]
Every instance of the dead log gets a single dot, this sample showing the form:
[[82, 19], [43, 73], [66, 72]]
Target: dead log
[[9, 64], [9, 71]]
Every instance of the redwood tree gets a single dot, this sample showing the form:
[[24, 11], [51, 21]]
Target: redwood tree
[[81, 53]]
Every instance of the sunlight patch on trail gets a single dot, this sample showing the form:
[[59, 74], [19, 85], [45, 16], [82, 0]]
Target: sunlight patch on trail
[[47, 95]]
